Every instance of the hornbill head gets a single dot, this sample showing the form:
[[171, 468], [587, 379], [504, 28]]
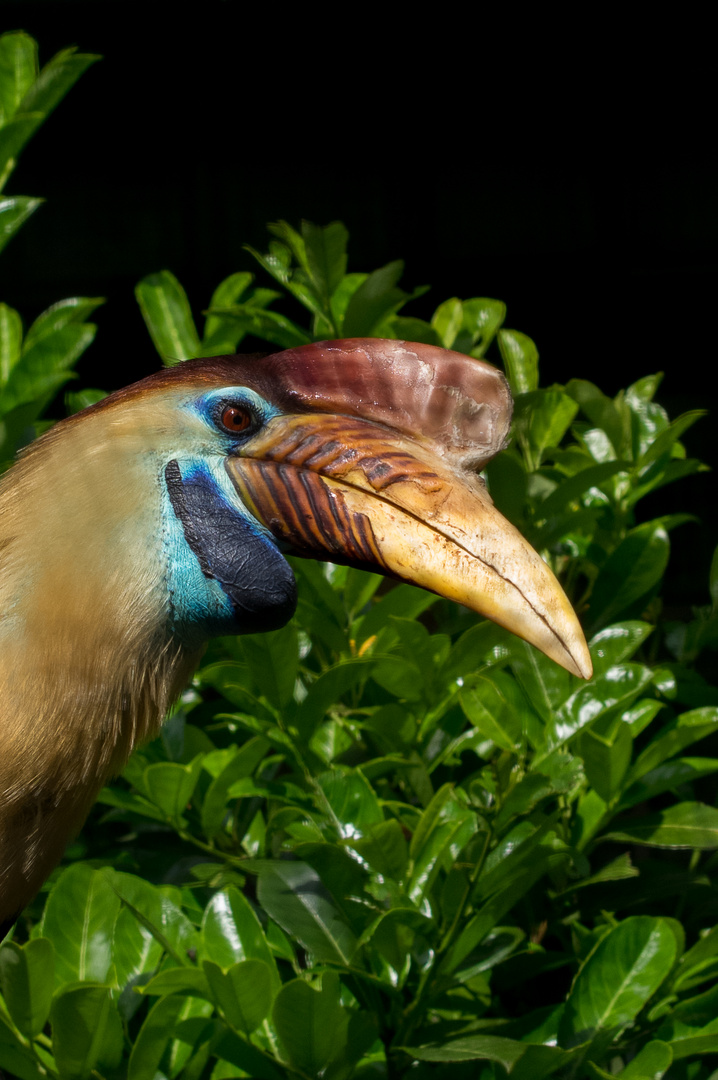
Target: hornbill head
[[137, 529]]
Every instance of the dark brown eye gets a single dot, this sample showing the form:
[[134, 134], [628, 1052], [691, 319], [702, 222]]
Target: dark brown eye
[[235, 419]]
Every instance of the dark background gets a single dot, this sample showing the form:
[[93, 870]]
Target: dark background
[[593, 217]]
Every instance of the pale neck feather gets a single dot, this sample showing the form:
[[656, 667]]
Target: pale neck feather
[[87, 667]]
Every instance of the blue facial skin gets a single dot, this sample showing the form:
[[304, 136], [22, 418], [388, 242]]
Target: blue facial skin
[[225, 572]]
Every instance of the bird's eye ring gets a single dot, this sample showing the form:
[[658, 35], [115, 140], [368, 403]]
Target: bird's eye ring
[[235, 419]]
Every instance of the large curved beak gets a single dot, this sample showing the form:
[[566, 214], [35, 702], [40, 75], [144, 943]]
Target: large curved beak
[[342, 488]]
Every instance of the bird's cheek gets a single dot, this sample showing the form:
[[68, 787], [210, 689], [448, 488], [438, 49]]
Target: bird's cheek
[[225, 575]]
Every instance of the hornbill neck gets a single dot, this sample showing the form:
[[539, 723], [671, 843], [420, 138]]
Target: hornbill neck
[[87, 667]]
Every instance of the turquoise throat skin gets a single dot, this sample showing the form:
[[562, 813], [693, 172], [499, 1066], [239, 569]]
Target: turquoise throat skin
[[225, 573]]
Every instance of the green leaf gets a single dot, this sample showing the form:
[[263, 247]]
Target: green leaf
[[243, 992], [20, 1062], [57, 77], [270, 325], [618, 978], [18, 71], [82, 399], [326, 255], [603, 413], [374, 299], [167, 314], [184, 980], [27, 976], [617, 643], [650, 1063], [687, 728], [482, 318], [327, 690], [669, 776], [274, 661], [541, 420], [39, 100], [495, 908], [447, 320], [320, 1038], [495, 706], [688, 824], [86, 1031], [602, 700], [385, 849], [226, 294], [75, 309], [520, 357], [664, 442], [14, 212], [10, 341], [231, 932], [630, 572], [569, 491], [537, 1061], [352, 800], [606, 761], [43, 367], [171, 786], [154, 1037], [79, 920], [158, 922], [242, 763], [293, 895]]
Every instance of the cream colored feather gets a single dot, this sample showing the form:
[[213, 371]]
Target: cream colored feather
[[86, 667]]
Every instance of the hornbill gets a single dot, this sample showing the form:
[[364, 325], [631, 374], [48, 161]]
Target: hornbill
[[137, 529]]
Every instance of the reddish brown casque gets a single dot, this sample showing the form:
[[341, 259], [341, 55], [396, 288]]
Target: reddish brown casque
[[462, 405]]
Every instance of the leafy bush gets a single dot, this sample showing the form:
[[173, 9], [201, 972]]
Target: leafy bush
[[390, 836]]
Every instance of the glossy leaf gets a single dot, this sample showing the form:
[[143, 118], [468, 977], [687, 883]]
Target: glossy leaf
[[326, 691], [79, 920], [27, 976], [630, 572], [243, 992], [86, 1031], [385, 849], [605, 698], [19, 1061], [10, 341], [686, 729], [520, 357], [688, 824], [619, 977], [482, 319], [374, 299], [274, 659], [216, 327], [240, 764], [326, 255], [447, 320], [537, 1061], [231, 932], [154, 1037], [76, 309], [606, 760], [617, 643], [494, 705], [18, 71], [170, 786], [159, 922], [293, 895], [542, 418], [320, 1037], [167, 314], [14, 212], [667, 777]]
